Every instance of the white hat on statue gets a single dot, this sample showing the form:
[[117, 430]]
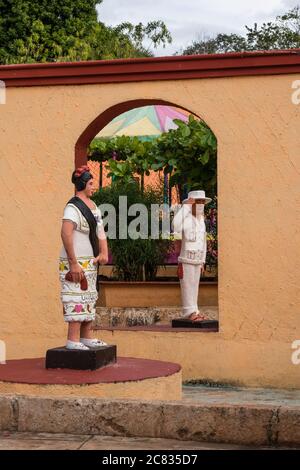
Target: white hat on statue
[[199, 194]]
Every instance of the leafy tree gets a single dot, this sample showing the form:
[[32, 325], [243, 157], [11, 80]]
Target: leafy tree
[[221, 43], [69, 30], [125, 156], [282, 33], [109, 43], [156, 31], [189, 155], [39, 31]]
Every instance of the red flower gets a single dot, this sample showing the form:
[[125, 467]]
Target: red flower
[[81, 170]]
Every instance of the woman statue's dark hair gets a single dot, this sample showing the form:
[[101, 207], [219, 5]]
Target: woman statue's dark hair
[[81, 176]]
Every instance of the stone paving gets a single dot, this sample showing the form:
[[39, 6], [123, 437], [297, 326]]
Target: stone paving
[[234, 395], [46, 441]]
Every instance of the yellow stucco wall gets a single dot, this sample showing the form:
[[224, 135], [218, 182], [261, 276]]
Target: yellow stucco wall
[[257, 127]]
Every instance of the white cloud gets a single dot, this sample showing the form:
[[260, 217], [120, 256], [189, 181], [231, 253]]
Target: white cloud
[[291, 3], [188, 21]]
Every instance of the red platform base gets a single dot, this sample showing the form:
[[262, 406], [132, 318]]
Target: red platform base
[[33, 371]]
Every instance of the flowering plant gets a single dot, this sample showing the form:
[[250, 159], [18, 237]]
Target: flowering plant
[[81, 169], [212, 233]]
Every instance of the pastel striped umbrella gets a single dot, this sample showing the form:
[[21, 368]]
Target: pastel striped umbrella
[[147, 122]]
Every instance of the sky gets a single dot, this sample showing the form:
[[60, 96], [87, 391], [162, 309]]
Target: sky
[[193, 19]]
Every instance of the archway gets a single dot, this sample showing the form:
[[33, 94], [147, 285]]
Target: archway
[[108, 115], [100, 122]]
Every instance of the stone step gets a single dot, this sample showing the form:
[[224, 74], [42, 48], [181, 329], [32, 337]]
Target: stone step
[[258, 417], [111, 317]]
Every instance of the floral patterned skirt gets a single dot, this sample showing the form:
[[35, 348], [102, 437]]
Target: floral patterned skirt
[[79, 305]]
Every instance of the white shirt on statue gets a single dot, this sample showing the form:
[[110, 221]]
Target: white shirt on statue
[[192, 231], [81, 240]]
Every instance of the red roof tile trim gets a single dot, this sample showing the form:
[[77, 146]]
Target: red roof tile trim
[[153, 68]]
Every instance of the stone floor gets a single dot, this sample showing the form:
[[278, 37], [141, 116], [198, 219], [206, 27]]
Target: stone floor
[[46, 441], [234, 395]]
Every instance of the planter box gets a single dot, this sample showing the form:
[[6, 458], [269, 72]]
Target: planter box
[[151, 294]]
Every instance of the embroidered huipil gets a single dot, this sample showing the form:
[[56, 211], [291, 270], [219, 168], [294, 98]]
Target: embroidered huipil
[[79, 305]]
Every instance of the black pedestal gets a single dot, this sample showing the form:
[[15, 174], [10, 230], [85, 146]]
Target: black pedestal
[[186, 323], [94, 358]]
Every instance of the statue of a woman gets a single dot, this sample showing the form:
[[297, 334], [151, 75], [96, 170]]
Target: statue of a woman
[[84, 247]]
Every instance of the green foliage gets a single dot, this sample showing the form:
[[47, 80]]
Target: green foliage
[[282, 33], [189, 154], [220, 44], [134, 260], [69, 30], [132, 156], [39, 30], [155, 31]]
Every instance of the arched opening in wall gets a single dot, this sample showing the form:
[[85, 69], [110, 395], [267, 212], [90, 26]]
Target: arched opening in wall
[[152, 152]]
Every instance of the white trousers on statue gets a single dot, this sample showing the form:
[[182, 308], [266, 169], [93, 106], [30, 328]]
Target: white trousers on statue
[[189, 285]]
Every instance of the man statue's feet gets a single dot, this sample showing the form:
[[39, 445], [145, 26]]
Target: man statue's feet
[[197, 317]]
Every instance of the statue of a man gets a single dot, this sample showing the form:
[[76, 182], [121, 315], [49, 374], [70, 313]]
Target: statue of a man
[[189, 226], [84, 248]]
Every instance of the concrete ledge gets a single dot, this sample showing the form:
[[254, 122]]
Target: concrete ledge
[[288, 426], [111, 317], [9, 413], [156, 329], [237, 424]]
